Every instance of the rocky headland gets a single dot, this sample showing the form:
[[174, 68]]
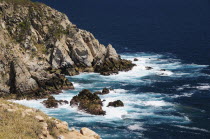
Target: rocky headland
[[39, 46]]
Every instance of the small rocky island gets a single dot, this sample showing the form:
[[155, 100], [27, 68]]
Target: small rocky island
[[51, 102], [88, 102], [91, 102]]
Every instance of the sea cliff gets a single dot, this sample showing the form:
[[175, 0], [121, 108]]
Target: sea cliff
[[39, 46]]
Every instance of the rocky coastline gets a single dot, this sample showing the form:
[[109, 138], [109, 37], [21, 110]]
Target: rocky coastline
[[39, 46]]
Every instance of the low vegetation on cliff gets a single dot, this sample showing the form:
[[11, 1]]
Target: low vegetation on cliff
[[17, 121]]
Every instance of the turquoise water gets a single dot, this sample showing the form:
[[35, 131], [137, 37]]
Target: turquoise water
[[174, 103]]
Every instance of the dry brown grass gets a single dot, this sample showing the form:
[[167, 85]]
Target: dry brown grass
[[13, 125]]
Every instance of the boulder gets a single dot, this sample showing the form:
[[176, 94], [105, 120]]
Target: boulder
[[136, 59], [88, 102], [105, 91], [113, 66], [117, 103], [89, 133], [51, 102], [39, 118], [148, 68]]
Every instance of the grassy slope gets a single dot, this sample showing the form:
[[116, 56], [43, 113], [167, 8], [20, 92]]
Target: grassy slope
[[20, 122], [16, 123]]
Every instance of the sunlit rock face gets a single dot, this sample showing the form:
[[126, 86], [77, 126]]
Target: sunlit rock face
[[38, 44]]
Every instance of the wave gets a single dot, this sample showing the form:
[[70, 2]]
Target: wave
[[193, 128], [182, 95], [136, 127], [203, 87], [157, 103], [118, 91]]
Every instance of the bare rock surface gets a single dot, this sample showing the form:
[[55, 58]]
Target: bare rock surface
[[88, 102], [39, 45]]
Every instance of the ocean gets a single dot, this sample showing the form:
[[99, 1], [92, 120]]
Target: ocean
[[173, 35]]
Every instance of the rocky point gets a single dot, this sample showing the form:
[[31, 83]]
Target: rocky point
[[39, 46]]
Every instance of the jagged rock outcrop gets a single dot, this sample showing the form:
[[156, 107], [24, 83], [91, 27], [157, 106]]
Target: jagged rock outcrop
[[117, 103], [38, 45], [88, 102], [51, 102], [104, 92]]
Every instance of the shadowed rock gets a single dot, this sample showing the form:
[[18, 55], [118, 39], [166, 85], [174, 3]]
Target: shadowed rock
[[117, 103], [105, 91], [112, 66], [88, 102], [136, 59], [148, 68], [51, 102]]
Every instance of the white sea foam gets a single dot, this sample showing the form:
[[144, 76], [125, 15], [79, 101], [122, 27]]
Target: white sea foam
[[136, 127], [118, 91], [203, 87], [164, 73], [31, 103], [157, 103], [182, 95], [112, 113], [76, 85], [193, 128]]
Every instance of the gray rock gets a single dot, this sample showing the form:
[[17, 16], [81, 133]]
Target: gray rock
[[39, 44]]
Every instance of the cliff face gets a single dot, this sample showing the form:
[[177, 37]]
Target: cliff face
[[38, 45]]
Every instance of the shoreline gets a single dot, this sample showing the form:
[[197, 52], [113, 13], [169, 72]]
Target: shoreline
[[41, 125]]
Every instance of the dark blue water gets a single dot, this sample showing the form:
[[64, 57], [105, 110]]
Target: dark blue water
[[180, 27], [164, 34]]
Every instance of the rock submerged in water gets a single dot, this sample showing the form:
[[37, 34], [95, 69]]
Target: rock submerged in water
[[88, 102], [104, 92], [148, 68], [117, 103], [136, 59], [51, 102]]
